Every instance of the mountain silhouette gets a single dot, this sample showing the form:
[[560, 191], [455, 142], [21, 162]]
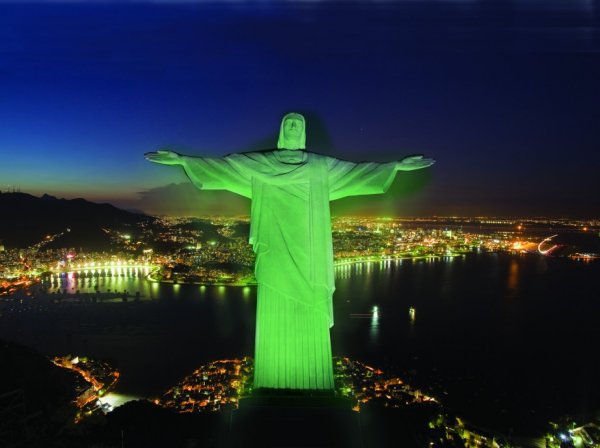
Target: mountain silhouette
[[27, 220]]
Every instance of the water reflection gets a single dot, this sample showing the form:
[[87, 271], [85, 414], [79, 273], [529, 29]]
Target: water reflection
[[374, 329], [144, 337], [513, 278], [97, 281]]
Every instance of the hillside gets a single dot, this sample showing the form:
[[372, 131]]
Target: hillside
[[27, 219]]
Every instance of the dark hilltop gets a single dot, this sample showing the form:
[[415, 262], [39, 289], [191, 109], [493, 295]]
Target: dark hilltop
[[27, 220]]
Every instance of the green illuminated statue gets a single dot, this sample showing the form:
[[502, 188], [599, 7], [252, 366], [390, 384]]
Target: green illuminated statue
[[290, 231]]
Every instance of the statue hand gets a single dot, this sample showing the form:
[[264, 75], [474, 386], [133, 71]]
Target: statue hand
[[164, 157], [412, 163]]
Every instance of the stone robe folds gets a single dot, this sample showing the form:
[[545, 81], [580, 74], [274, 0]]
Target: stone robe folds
[[290, 232]]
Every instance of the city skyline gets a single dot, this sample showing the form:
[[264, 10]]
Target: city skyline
[[498, 279], [503, 97]]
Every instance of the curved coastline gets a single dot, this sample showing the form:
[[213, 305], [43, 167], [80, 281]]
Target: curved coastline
[[336, 263]]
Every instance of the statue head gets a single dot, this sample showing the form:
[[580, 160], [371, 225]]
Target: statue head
[[292, 134]]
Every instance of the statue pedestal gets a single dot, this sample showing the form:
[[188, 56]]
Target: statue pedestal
[[294, 421]]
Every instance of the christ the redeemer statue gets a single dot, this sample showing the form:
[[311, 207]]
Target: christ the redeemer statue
[[290, 232]]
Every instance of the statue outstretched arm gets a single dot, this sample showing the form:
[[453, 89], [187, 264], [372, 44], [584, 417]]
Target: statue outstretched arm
[[209, 173], [412, 163], [164, 157], [355, 179]]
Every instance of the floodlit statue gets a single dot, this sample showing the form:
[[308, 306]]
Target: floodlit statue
[[290, 232]]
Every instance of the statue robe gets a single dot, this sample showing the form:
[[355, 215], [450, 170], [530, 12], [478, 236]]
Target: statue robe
[[290, 232]]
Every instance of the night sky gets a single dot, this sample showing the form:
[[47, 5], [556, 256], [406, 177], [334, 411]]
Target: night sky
[[504, 95]]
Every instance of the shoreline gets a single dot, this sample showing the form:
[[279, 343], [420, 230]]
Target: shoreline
[[335, 264]]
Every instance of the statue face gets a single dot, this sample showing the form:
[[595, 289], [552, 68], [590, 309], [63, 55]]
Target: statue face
[[293, 129], [292, 133]]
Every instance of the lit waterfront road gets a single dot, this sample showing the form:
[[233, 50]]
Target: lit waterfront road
[[103, 267], [547, 251]]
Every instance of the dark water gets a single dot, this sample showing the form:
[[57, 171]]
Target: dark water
[[507, 341], [512, 339]]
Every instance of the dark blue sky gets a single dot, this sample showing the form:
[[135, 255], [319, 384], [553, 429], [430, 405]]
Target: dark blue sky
[[504, 95]]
